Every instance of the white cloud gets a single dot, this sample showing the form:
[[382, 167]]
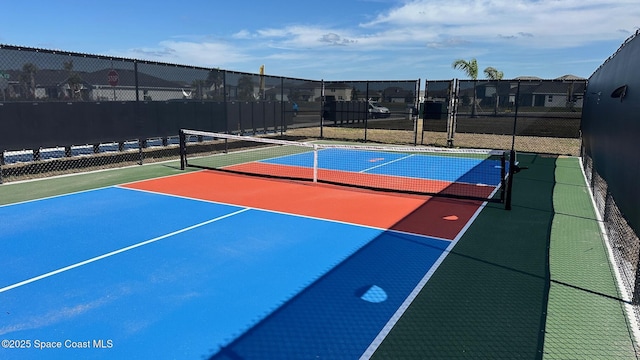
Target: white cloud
[[335, 39], [242, 34], [206, 53], [306, 37], [546, 23], [448, 43], [456, 23], [435, 31]]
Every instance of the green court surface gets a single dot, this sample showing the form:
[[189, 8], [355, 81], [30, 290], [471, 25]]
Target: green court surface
[[586, 315], [531, 283]]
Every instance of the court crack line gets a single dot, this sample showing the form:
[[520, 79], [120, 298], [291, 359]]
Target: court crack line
[[121, 250]]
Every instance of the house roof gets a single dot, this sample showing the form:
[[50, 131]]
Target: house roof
[[559, 87], [570, 77], [337, 86], [527, 77]]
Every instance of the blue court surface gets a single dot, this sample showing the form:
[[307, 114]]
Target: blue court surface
[[118, 273], [420, 166]]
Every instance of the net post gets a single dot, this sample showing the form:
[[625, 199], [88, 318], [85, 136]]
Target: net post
[[503, 174], [183, 149], [512, 154], [315, 163], [512, 166]]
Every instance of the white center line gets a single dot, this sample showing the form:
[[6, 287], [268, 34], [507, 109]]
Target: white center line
[[386, 163]]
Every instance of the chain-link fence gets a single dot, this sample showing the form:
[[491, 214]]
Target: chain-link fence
[[610, 158], [538, 116], [623, 241], [62, 111], [378, 111]]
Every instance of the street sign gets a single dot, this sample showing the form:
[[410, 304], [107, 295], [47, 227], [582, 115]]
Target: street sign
[[112, 77]]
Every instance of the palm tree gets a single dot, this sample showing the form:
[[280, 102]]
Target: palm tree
[[246, 88], [74, 80], [215, 82], [354, 94], [199, 86], [494, 74], [471, 69], [28, 80]]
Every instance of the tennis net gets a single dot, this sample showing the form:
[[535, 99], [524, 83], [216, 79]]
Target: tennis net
[[459, 173]]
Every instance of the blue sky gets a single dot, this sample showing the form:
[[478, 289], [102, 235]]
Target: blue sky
[[335, 40]]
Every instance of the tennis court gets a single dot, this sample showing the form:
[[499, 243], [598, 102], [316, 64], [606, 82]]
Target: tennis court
[[221, 265]]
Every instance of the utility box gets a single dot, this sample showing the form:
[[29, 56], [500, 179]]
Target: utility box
[[434, 110]]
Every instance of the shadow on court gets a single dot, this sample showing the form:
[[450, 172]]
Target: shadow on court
[[486, 300], [489, 297]]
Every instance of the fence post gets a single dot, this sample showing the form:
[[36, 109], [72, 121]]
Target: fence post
[[322, 108], [282, 108], [515, 118], [414, 113], [366, 114], [452, 112], [138, 120], [423, 109]]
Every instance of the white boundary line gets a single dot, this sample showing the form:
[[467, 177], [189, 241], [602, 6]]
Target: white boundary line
[[407, 302], [282, 212], [115, 252], [92, 189], [386, 163], [52, 197], [181, 173], [633, 321]]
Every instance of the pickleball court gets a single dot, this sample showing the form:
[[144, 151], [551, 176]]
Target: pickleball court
[[208, 264]]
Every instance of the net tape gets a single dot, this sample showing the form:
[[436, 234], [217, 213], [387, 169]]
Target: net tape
[[408, 149], [478, 174]]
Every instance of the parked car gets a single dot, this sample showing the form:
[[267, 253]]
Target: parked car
[[378, 111]]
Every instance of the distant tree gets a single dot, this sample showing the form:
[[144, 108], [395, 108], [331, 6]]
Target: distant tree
[[28, 80], [215, 82], [354, 94], [246, 88], [471, 69], [493, 74], [199, 86], [73, 80]]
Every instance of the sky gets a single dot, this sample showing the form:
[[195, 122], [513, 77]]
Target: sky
[[335, 40]]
